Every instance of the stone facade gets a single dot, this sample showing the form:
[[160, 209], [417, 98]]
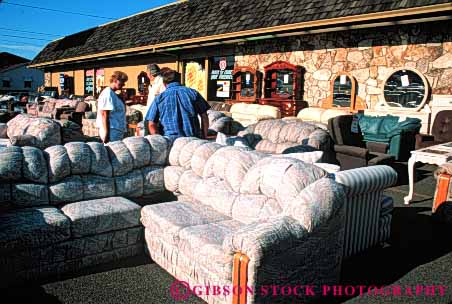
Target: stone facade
[[370, 55]]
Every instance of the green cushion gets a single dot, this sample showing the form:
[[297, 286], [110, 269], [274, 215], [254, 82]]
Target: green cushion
[[370, 124], [388, 124]]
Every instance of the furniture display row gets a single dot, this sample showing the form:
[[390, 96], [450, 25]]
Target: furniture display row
[[74, 206], [283, 83]]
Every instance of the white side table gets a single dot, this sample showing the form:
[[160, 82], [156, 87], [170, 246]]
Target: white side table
[[435, 155]]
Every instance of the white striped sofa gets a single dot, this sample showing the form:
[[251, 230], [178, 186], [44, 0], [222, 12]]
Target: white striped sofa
[[368, 211]]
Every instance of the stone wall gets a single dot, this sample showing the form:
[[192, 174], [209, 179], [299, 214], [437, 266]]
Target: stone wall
[[370, 55]]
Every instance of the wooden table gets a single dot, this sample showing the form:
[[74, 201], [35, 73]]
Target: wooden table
[[435, 155]]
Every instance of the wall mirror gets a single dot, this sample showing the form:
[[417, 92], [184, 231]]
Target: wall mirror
[[343, 93], [405, 89]]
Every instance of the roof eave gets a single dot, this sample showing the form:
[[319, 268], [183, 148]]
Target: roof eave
[[371, 17]]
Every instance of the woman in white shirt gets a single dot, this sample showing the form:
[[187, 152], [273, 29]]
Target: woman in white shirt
[[111, 110]]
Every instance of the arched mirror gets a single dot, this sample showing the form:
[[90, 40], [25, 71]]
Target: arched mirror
[[405, 89], [342, 93]]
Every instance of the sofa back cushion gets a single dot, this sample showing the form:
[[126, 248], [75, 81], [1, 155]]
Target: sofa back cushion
[[280, 178], [79, 171], [277, 135], [370, 125], [388, 124], [231, 164], [316, 203], [247, 114], [46, 131]]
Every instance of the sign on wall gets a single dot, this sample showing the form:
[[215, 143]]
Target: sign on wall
[[194, 76], [89, 82], [100, 80], [220, 77], [62, 81]]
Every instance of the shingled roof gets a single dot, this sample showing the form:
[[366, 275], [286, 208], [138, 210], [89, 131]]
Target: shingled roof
[[184, 20]]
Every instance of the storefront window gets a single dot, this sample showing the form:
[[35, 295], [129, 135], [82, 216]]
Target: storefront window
[[27, 84], [195, 76], [220, 78]]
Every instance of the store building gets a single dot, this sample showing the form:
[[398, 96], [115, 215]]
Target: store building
[[205, 40]]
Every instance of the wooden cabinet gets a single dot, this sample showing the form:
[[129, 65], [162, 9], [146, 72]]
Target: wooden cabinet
[[246, 85], [283, 88]]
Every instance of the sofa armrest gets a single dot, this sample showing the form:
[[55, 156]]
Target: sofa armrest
[[266, 238], [352, 151], [263, 117], [366, 179], [424, 138]]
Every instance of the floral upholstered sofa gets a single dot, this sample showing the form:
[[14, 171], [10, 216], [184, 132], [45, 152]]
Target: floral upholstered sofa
[[66, 208], [281, 136], [241, 217], [264, 217]]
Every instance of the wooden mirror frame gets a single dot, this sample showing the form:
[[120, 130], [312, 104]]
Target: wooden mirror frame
[[426, 91], [356, 103]]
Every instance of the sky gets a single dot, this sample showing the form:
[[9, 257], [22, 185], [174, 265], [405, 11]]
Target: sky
[[19, 21]]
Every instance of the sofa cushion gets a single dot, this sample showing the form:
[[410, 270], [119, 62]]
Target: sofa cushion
[[130, 185], [58, 163], [95, 186], [248, 208], [281, 178], [46, 131], [68, 190], [172, 175], [140, 150], [216, 193], [167, 219], [370, 124], [11, 159], [176, 149], [100, 162], [201, 155], [102, 215], [153, 179], [79, 155], [34, 165], [121, 159], [29, 195], [32, 227], [208, 240]]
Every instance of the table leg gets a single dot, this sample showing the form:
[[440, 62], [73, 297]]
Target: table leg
[[411, 163]]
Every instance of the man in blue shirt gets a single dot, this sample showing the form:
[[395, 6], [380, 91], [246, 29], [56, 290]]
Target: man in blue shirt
[[177, 110]]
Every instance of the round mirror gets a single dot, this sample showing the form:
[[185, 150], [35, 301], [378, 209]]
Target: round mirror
[[406, 88], [342, 91]]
